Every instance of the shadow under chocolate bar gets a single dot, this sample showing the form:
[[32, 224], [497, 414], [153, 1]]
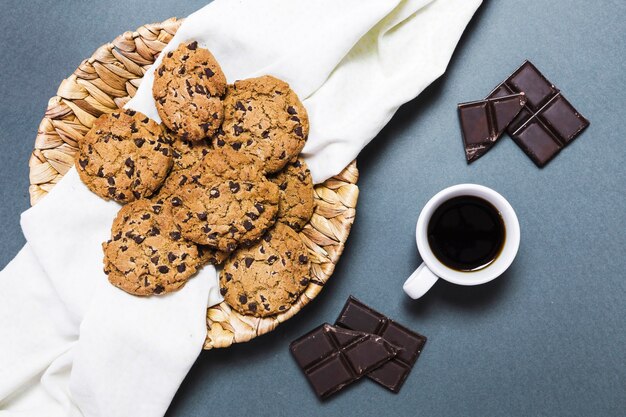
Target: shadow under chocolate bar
[[548, 122], [409, 344]]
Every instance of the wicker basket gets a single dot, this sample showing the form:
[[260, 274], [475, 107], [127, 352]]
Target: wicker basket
[[106, 82]]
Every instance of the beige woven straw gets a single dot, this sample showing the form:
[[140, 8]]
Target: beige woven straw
[[106, 82]]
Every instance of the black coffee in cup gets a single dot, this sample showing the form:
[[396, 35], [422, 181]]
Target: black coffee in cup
[[466, 233]]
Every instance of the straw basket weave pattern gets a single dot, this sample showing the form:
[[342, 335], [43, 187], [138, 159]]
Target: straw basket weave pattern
[[106, 82]]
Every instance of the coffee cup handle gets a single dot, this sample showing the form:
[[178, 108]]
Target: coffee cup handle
[[419, 282]]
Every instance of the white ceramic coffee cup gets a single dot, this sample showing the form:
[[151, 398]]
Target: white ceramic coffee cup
[[432, 269]]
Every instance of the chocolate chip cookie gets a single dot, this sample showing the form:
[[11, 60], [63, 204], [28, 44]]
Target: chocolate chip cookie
[[267, 278], [125, 156], [225, 214], [296, 194], [264, 118], [146, 254], [214, 165], [188, 87], [206, 254]]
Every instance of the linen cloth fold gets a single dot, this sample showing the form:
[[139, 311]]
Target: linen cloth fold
[[73, 345]]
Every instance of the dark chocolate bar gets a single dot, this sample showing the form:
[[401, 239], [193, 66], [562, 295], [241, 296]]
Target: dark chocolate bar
[[483, 122], [548, 121], [332, 358], [409, 344]]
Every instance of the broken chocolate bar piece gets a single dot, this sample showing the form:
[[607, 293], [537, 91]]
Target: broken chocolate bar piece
[[409, 344], [548, 121], [332, 358], [484, 121]]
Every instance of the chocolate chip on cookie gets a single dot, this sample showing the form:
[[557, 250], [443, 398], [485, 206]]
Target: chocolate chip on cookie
[[264, 118], [146, 254], [125, 156], [188, 87], [296, 194], [267, 278]]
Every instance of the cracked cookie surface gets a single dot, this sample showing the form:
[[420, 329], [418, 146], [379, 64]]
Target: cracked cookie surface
[[186, 153], [125, 156], [264, 118], [296, 194], [225, 214], [188, 87], [267, 278], [146, 254]]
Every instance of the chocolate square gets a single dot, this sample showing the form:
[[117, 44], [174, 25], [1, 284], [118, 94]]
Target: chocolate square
[[357, 316], [475, 119], [391, 375], [330, 375], [529, 80], [537, 142], [563, 118], [316, 347]]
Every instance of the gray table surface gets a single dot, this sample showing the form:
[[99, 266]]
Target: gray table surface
[[547, 338]]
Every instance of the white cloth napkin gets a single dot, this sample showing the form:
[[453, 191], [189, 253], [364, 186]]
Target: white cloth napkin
[[70, 343], [93, 347]]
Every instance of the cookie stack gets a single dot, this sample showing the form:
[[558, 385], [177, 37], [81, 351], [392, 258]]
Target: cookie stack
[[219, 181]]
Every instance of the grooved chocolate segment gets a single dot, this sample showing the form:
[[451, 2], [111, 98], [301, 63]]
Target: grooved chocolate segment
[[357, 316], [317, 347], [537, 142], [529, 80], [332, 358], [484, 121], [391, 375], [409, 344], [475, 122], [563, 119], [330, 375], [548, 121]]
